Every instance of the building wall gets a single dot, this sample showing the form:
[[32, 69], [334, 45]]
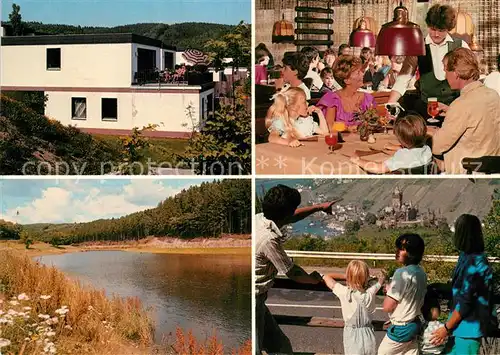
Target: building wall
[[96, 65], [135, 109]]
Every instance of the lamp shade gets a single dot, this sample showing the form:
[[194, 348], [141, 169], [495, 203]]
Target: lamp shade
[[362, 37], [283, 32], [400, 37], [464, 28], [474, 45]]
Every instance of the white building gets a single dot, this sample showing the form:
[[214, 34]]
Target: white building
[[92, 82]]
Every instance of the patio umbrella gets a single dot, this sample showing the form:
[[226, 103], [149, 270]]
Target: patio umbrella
[[195, 56]]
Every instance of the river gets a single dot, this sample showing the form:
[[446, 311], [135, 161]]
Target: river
[[202, 293]]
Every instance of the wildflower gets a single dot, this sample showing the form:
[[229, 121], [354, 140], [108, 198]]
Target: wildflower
[[67, 326], [90, 308], [62, 311], [4, 342], [50, 334], [23, 297], [45, 297], [11, 312], [44, 316], [27, 308], [14, 303]]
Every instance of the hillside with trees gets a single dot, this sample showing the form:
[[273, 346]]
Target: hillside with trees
[[182, 35], [208, 210]]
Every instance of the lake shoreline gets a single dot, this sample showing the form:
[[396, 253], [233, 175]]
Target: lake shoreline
[[216, 246]]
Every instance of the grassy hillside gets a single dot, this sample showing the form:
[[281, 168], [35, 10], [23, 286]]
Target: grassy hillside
[[184, 35], [31, 143]]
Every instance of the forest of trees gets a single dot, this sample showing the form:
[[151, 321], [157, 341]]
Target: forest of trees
[[208, 210], [182, 35]]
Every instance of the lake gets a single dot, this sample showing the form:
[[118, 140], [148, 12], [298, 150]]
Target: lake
[[204, 293]]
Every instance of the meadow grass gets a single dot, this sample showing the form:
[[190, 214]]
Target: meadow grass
[[41, 306], [44, 312]]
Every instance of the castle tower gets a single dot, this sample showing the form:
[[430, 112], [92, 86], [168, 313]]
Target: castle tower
[[397, 199]]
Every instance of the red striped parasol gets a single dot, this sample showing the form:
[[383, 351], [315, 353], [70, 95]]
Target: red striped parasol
[[195, 56]]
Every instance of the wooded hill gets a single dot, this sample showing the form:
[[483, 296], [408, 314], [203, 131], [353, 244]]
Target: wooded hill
[[182, 35], [208, 210]]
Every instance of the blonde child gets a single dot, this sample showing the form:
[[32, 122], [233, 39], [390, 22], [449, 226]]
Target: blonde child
[[411, 132], [290, 118], [357, 301]]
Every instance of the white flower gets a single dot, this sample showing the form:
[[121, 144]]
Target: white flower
[[62, 311], [45, 297], [27, 308], [11, 312], [67, 326], [44, 316], [4, 342], [50, 334], [23, 296], [14, 303]]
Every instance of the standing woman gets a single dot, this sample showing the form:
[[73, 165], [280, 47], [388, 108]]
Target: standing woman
[[472, 287]]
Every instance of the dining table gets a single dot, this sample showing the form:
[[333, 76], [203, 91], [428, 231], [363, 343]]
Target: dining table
[[313, 157]]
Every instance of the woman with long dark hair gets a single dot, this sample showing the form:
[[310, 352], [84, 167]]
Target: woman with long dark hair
[[472, 287]]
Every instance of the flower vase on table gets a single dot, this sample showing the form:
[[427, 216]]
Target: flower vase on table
[[369, 122]]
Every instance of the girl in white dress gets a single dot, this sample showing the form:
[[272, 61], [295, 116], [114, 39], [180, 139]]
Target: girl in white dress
[[357, 301], [291, 118]]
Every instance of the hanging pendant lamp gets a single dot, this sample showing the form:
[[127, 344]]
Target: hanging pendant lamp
[[283, 31], [362, 36], [400, 37]]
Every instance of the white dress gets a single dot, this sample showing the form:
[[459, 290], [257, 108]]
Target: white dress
[[304, 125]]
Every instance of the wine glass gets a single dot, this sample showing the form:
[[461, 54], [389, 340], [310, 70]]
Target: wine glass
[[331, 140], [432, 109]]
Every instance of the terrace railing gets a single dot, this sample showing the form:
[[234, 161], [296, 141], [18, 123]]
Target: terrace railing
[[164, 77], [491, 344]]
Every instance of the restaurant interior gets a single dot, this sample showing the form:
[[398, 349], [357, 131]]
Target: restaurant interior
[[394, 45]]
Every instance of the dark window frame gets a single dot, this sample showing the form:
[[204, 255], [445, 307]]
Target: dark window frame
[[73, 102], [111, 119], [50, 65]]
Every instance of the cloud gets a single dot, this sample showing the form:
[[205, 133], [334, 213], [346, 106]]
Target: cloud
[[140, 191], [68, 203]]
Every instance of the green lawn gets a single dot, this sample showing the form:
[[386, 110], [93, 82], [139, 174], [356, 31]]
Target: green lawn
[[162, 150]]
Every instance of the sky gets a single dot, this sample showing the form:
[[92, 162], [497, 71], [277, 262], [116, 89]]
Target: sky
[[81, 200], [111, 13]]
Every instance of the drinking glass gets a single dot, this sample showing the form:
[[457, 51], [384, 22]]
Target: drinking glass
[[432, 109], [331, 140]]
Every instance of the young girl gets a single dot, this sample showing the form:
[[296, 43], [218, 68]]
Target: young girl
[[291, 120], [358, 305], [411, 132]]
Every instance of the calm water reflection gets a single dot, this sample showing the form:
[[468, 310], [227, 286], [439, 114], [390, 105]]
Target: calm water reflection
[[199, 292]]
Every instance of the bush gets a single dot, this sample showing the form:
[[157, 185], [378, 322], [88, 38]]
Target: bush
[[223, 146]]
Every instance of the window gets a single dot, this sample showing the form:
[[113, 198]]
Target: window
[[79, 108], [169, 60], [53, 58], [109, 109]]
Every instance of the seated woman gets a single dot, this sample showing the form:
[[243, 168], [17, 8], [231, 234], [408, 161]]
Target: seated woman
[[341, 105], [291, 118]]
